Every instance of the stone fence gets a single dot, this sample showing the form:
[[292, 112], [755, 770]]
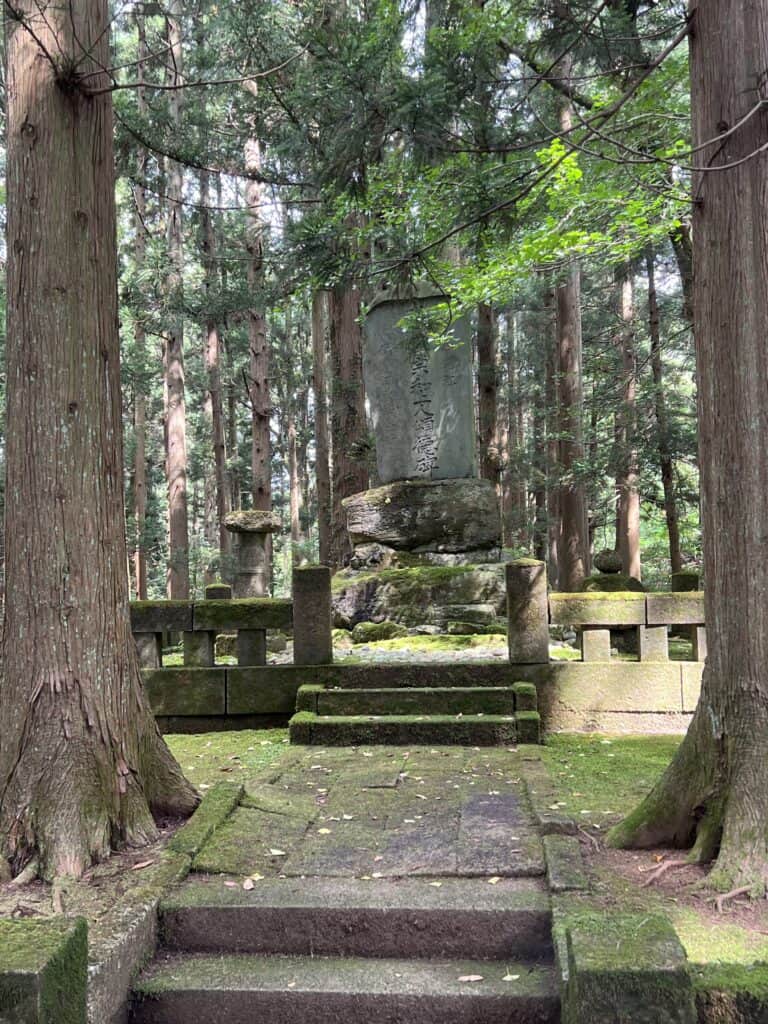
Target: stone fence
[[594, 616]]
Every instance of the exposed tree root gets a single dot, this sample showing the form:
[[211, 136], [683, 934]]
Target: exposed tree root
[[661, 870], [725, 897], [27, 876], [6, 874]]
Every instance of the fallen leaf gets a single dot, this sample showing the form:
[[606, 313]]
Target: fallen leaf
[[277, 853], [435, 885], [323, 831], [471, 977], [494, 881], [141, 864], [511, 977], [231, 885], [248, 884]]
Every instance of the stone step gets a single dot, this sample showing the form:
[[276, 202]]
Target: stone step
[[321, 990], [352, 917], [467, 700], [404, 730]]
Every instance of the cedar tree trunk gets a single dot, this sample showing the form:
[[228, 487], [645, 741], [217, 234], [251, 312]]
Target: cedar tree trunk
[[627, 477], [322, 462], [715, 792], [83, 769]]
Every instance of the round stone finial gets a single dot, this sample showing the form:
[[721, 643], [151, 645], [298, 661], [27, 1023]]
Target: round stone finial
[[252, 521], [608, 561]]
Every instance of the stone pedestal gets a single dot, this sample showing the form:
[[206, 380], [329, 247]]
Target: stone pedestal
[[199, 649], [447, 516], [251, 647], [528, 612], [595, 644], [653, 643], [312, 616], [699, 639], [251, 530], [420, 393]]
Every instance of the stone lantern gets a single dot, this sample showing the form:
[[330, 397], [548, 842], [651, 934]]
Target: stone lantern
[[251, 528]]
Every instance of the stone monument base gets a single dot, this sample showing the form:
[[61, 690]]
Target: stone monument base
[[442, 517]]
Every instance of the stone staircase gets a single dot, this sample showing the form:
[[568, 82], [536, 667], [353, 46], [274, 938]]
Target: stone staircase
[[352, 951], [439, 711]]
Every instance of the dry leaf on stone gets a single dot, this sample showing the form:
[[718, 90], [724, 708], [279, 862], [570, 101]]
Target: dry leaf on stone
[[248, 884], [494, 881], [511, 977], [141, 864], [471, 977]]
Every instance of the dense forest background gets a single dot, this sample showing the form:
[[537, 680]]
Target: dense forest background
[[277, 162]]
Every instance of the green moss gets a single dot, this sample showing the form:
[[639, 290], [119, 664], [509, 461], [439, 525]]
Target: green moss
[[44, 970], [241, 755], [604, 776], [215, 808], [244, 613], [371, 632], [526, 562], [751, 978], [439, 643], [612, 584], [418, 576]]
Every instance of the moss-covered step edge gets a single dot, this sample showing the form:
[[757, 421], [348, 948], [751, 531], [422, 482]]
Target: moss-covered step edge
[[731, 993], [214, 809], [566, 871], [543, 797], [43, 970], [621, 966], [364, 730], [445, 701]]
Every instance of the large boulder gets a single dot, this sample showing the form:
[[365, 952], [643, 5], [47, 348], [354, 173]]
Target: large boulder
[[429, 595], [426, 515]]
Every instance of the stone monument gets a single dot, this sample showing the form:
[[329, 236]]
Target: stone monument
[[250, 529], [431, 518], [422, 408]]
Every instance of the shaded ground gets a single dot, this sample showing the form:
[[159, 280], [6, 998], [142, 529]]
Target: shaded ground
[[599, 778]]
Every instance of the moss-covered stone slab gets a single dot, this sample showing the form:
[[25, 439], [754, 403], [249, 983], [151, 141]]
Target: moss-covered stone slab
[[526, 697], [626, 968], [528, 726], [398, 730], [306, 698], [157, 616], [43, 971], [186, 691], [246, 842], [214, 809], [619, 686], [731, 993], [623, 609], [683, 609], [456, 700], [420, 674], [262, 690], [244, 613], [325, 989], [566, 871]]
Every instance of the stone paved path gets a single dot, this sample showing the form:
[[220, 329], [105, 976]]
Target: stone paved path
[[382, 812], [381, 885]]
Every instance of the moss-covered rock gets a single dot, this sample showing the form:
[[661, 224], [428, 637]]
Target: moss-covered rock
[[418, 596], [370, 632], [685, 580], [611, 584], [608, 561]]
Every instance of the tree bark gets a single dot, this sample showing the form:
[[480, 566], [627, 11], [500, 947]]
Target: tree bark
[[213, 369], [662, 424], [552, 401], [178, 527], [573, 550], [487, 390], [348, 424], [714, 794], [83, 768], [683, 247], [140, 341], [627, 477], [322, 462]]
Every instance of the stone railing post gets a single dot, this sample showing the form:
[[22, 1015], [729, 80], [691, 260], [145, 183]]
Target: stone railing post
[[527, 612], [251, 528], [312, 616]]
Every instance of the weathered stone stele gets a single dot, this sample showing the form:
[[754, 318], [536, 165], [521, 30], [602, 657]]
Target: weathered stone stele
[[420, 394], [250, 528]]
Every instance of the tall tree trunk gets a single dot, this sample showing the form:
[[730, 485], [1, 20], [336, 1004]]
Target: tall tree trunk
[[82, 765], [348, 424], [235, 499], [627, 477], [515, 490], [552, 400], [573, 552], [662, 425], [178, 527], [258, 344], [715, 792], [213, 369], [140, 340], [322, 461], [683, 246], [294, 487], [487, 388]]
